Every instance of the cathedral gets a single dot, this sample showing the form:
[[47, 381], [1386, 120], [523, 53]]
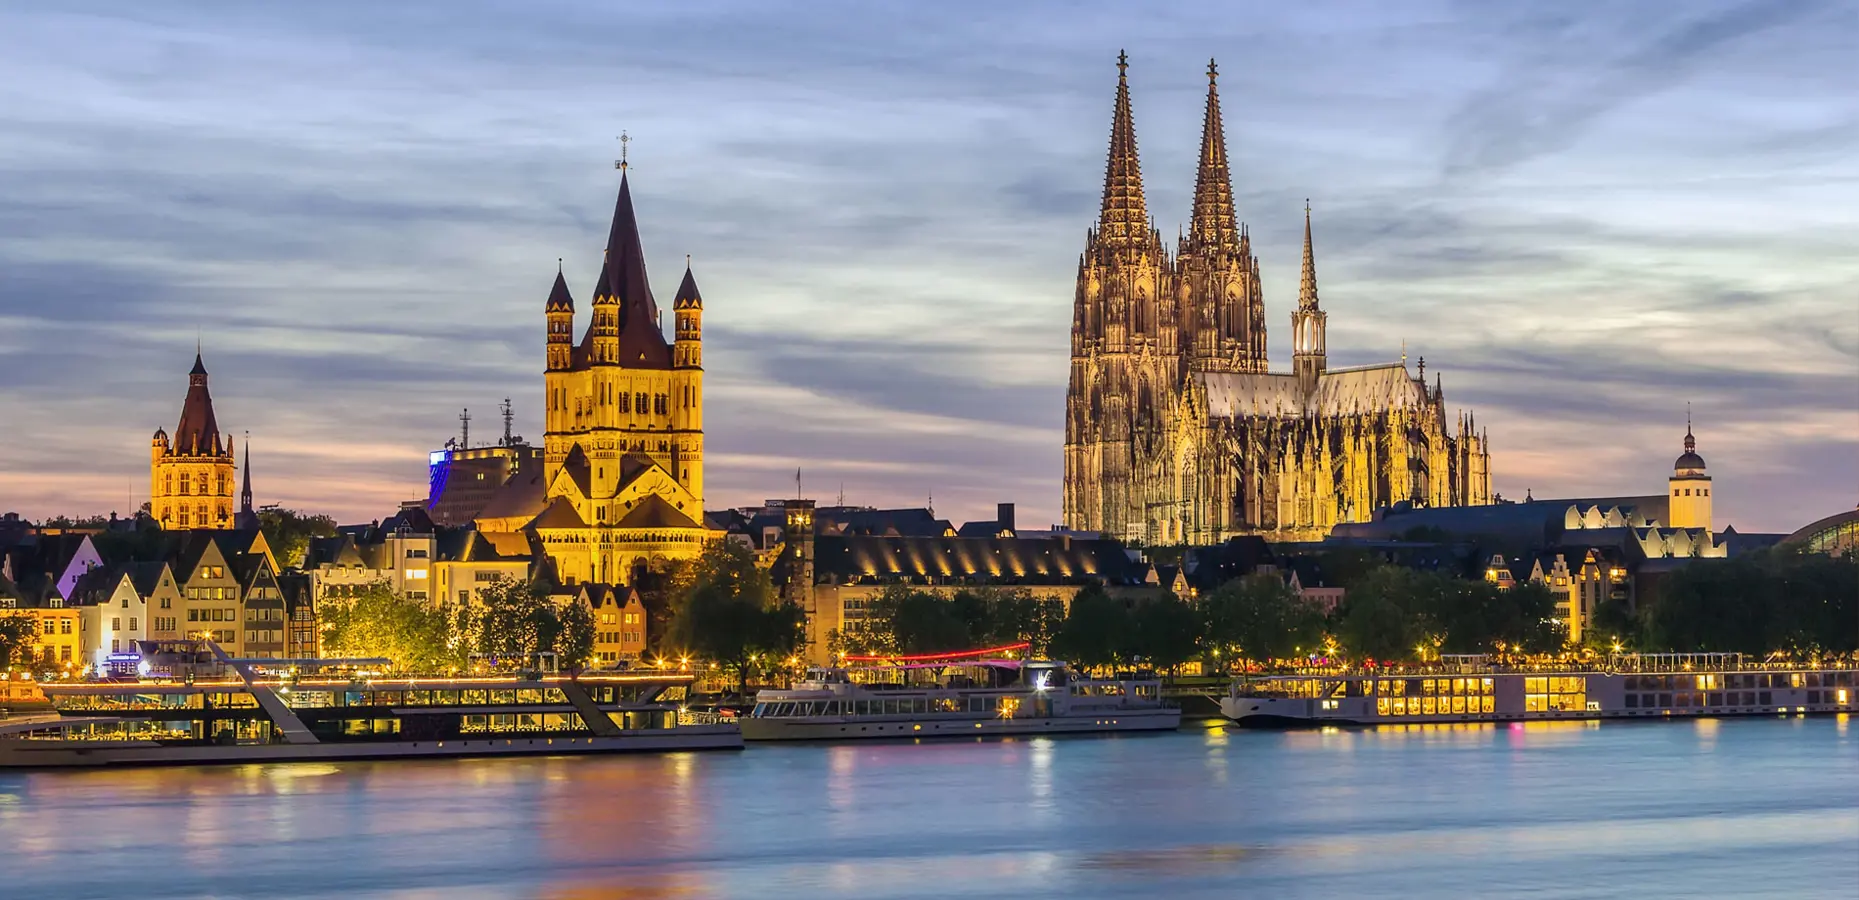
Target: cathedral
[[190, 474], [623, 452], [1176, 432]]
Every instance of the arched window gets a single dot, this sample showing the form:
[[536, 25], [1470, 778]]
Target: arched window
[[167, 483], [184, 484]]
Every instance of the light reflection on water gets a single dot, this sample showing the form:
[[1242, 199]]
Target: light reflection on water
[[1705, 808]]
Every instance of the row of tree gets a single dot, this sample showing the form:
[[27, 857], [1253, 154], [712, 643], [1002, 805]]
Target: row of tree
[[1390, 613], [1775, 599], [513, 623]]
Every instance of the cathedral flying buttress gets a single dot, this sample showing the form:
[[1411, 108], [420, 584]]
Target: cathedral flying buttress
[[1175, 429]]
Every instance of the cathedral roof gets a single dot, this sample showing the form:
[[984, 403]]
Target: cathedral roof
[[198, 434], [1339, 392], [623, 279]]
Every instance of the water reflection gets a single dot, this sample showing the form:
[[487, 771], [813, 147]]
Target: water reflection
[[1626, 810]]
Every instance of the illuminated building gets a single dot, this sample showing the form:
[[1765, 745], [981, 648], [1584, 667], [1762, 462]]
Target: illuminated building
[[619, 622], [464, 480], [1176, 432], [191, 474], [623, 463]]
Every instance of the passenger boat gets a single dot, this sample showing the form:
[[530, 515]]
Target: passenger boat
[[978, 698], [202, 707], [1473, 689]]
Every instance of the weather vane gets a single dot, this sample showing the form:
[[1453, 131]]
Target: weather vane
[[621, 162]]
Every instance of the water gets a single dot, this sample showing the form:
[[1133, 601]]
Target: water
[[1710, 808]]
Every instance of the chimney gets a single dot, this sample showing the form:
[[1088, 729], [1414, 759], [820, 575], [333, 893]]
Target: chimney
[[1003, 516]]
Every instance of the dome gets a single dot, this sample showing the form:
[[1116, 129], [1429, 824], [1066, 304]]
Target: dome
[[1689, 460]]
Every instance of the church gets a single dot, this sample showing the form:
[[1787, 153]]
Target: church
[[1176, 431], [623, 450], [190, 473]]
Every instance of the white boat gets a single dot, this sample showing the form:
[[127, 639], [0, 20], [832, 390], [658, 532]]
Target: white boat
[[985, 698], [223, 710], [1472, 689]]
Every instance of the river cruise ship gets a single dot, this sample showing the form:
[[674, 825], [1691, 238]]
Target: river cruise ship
[[979, 698], [196, 706], [1474, 689]]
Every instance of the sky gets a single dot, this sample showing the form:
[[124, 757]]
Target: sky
[[1585, 217]]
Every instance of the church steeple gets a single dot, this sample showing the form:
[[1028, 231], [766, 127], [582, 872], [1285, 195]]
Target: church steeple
[[626, 318], [1307, 286], [1309, 353], [1215, 225], [1123, 223]]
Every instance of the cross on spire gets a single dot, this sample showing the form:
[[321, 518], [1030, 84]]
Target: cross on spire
[[621, 162], [1123, 63]]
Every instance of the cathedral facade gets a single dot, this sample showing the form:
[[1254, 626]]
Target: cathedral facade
[[623, 451], [1176, 431]]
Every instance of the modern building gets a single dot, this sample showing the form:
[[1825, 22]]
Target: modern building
[[191, 473], [1177, 432], [623, 449], [464, 480]]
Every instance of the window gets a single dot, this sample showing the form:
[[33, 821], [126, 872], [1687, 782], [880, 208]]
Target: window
[[193, 615], [116, 624]]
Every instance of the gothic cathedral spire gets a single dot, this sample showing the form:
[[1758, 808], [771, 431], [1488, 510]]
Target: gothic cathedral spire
[[1215, 226], [1123, 223], [1309, 351]]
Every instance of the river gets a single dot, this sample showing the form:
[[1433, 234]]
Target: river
[[1705, 808]]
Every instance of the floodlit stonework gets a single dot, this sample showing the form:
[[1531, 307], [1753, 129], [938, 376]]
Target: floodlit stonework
[[1175, 430], [623, 453]]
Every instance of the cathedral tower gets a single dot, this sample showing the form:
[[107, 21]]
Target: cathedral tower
[[1309, 354], [1125, 338], [1217, 285], [190, 477]]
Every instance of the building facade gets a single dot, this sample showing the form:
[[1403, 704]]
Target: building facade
[[623, 450], [1176, 431], [191, 474]]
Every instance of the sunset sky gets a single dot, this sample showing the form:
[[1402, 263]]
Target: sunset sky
[[1583, 216]]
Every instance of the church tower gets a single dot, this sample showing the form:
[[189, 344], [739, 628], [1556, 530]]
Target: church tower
[[1690, 503], [1217, 285], [190, 476], [623, 430], [1125, 339], [1309, 354]]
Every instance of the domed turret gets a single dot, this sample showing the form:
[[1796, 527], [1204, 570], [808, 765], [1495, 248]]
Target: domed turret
[[1689, 503]]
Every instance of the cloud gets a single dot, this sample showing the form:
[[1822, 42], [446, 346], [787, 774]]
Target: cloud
[[358, 208]]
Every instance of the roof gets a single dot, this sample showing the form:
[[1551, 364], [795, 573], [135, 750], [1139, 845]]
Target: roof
[[198, 433], [1209, 567], [1339, 392], [559, 298], [522, 497], [147, 576], [656, 512], [687, 292], [559, 514], [1000, 561], [623, 280]]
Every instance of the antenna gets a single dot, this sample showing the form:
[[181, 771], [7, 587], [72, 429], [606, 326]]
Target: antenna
[[464, 424], [507, 417]]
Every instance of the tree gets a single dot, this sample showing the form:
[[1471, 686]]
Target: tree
[[1779, 599], [1096, 630], [1383, 615], [1611, 624], [514, 620], [1017, 616], [729, 613], [1167, 631], [575, 644], [1479, 616], [414, 636], [1259, 617], [289, 532], [17, 632]]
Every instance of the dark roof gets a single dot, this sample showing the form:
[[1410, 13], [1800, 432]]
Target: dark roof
[[687, 292], [559, 298], [523, 495], [999, 561], [198, 434], [1689, 460], [656, 512], [559, 514], [147, 576], [1209, 567], [906, 522], [623, 278], [96, 585]]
